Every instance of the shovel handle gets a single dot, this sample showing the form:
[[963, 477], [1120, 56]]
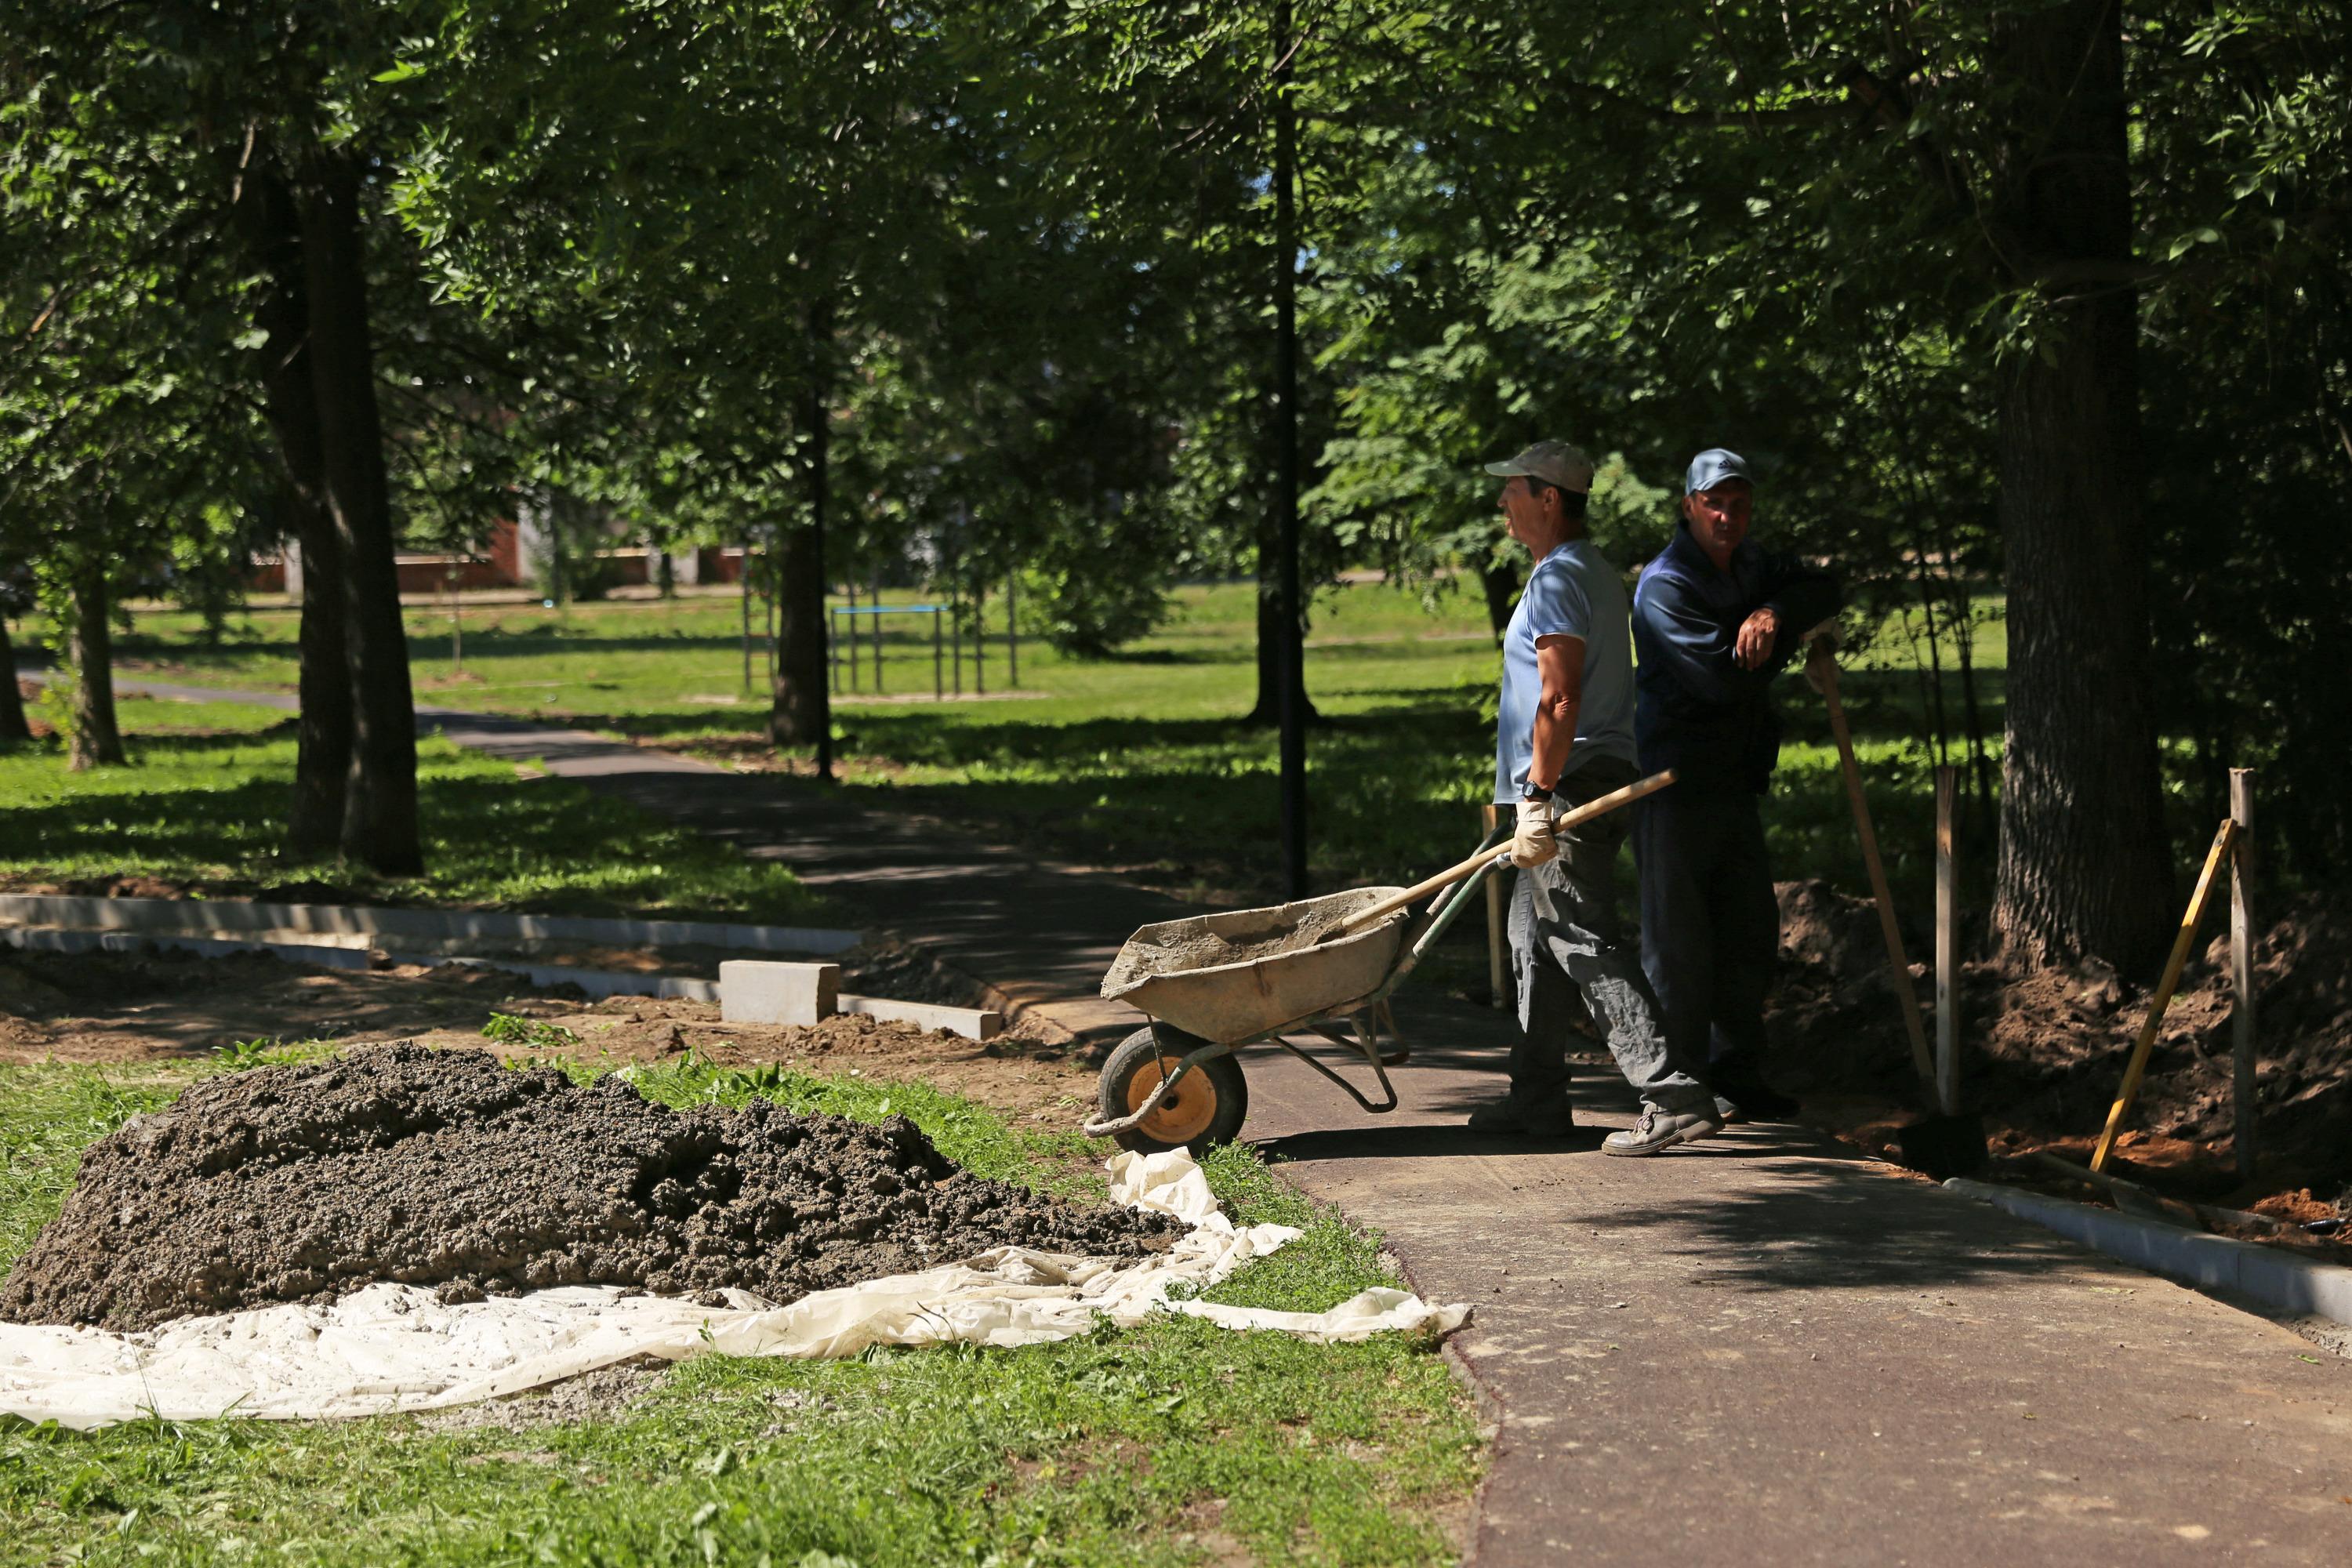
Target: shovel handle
[[1821, 667], [1453, 874]]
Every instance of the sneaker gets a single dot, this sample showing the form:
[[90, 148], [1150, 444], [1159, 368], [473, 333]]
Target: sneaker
[[1525, 1118], [1660, 1130]]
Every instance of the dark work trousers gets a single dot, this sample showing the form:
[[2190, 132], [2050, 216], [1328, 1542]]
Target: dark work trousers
[[1710, 923], [1565, 932]]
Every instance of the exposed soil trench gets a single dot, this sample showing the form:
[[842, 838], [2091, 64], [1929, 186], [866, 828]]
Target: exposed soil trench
[[2042, 1052], [444, 1168]]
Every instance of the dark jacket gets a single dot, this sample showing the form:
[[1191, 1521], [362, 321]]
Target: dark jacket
[[1696, 711]]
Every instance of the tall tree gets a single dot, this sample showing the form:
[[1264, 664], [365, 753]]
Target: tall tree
[[1289, 629], [2084, 864], [282, 105], [379, 823], [801, 709], [86, 606], [272, 234], [15, 597]]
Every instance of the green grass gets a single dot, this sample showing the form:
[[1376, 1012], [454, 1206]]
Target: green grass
[[1172, 1443], [1141, 762], [205, 803]]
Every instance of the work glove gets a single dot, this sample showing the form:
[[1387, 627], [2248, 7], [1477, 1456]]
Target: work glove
[[1533, 844]]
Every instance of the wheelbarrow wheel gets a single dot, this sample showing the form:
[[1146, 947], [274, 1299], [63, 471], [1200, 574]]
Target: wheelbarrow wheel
[[1207, 1106]]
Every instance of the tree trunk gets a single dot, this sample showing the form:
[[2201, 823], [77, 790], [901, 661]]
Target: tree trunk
[[1500, 585], [379, 827], [13, 726], [1281, 629], [322, 754], [1291, 709], [89, 649], [322, 739], [2084, 864], [802, 713], [1267, 709]]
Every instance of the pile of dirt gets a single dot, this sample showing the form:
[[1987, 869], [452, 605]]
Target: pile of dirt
[[2044, 1049], [442, 1168]]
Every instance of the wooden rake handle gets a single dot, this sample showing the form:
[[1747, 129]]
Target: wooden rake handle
[[2225, 839], [1453, 874], [1821, 664]]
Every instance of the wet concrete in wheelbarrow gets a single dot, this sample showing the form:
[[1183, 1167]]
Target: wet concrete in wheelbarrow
[[1190, 946], [446, 1169]]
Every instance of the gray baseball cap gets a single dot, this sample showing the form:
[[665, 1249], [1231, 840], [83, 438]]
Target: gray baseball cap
[[1553, 462], [1712, 467]]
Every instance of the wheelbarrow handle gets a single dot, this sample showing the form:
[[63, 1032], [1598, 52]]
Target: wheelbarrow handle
[[1447, 877]]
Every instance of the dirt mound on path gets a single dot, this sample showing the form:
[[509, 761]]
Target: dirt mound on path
[[442, 1168]]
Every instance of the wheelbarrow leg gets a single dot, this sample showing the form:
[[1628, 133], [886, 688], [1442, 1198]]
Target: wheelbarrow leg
[[1367, 1042]]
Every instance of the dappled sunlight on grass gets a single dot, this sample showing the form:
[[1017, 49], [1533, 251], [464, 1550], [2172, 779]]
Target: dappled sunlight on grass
[[211, 810]]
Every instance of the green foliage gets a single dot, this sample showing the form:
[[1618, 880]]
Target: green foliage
[[1069, 601], [239, 1055], [1013, 261], [532, 1034]]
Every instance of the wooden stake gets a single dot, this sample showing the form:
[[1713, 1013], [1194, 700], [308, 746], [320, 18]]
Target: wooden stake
[[1823, 666], [2243, 1110], [2164, 989], [1498, 934], [1948, 947]]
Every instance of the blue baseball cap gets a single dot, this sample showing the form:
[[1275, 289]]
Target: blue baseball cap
[[1712, 467]]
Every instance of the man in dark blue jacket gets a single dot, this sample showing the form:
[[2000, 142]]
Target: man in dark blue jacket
[[1716, 617]]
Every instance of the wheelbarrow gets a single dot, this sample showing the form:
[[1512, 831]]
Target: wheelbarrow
[[1214, 984]]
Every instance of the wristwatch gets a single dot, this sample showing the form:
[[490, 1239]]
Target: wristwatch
[[1534, 791]]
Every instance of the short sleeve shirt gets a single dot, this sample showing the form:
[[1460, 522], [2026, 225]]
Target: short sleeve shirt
[[1574, 592]]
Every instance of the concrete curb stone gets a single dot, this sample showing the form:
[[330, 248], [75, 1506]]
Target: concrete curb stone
[[2276, 1279]]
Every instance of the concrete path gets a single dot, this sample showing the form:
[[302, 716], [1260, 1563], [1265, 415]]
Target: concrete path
[[1760, 1349]]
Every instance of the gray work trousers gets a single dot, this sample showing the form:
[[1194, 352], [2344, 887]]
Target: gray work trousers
[[1564, 931]]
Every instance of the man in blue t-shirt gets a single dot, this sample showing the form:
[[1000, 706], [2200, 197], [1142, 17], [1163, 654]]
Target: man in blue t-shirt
[[1564, 735]]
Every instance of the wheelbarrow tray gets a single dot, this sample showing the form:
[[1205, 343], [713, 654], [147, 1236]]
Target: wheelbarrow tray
[[1229, 978]]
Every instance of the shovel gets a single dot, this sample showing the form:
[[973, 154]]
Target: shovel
[[1943, 1144]]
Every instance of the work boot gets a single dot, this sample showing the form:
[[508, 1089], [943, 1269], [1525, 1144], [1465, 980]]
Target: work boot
[[1660, 1130], [1527, 1116], [1738, 1083]]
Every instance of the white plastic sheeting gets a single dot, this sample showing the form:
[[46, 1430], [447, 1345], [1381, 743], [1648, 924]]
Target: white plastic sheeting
[[393, 1347]]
